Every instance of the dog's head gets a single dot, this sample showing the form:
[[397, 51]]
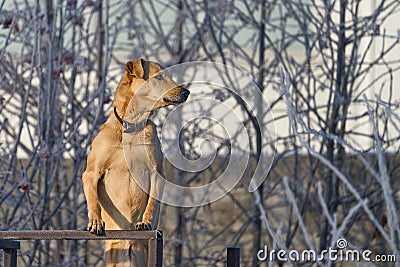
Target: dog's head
[[151, 86]]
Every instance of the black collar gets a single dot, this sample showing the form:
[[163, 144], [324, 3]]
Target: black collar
[[128, 126]]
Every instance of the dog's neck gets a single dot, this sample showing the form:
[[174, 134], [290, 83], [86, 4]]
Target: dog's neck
[[135, 124]]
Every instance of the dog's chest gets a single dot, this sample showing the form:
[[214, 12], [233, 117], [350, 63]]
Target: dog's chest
[[122, 188], [143, 149]]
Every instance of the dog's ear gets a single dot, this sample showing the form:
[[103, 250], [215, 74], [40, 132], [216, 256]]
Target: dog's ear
[[136, 68]]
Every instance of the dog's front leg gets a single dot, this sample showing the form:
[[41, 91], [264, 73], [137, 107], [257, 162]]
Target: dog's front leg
[[97, 164], [90, 184], [90, 181], [151, 214]]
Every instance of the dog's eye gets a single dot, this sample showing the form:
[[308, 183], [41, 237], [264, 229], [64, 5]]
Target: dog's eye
[[159, 77]]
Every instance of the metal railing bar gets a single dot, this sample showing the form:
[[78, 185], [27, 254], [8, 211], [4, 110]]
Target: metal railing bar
[[77, 235]]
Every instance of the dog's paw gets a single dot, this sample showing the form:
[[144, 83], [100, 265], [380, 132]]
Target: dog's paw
[[144, 226], [96, 225]]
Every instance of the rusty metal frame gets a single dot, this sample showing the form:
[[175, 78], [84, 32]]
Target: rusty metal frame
[[10, 246]]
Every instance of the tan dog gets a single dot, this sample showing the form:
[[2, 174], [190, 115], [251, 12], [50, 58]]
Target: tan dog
[[115, 201]]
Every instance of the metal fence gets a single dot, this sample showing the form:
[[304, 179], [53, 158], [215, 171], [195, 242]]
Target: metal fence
[[10, 246], [10, 243]]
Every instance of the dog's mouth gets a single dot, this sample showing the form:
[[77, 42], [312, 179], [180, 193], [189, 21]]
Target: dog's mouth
[[179, 98]]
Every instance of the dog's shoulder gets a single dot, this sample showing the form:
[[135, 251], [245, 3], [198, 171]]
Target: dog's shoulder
[[109, 134]]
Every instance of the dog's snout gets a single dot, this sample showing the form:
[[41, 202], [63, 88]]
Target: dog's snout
[[185, 93]]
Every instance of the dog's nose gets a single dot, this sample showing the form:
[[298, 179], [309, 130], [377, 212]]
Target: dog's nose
[[185, 93]]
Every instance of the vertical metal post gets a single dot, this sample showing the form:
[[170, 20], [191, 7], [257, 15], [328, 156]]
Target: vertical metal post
[[10, 258], [155, 251], [233, 257], [10, 252], [151, 253], [159, 249]]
